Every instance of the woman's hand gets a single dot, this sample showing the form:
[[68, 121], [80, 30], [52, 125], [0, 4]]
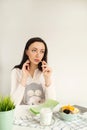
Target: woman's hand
[[25, 69], [47, 73], [25, 72]]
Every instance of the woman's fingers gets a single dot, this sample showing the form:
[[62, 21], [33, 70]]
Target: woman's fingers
[[44, 65], [26, 65]]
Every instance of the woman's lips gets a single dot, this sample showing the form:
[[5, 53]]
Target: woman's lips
[[37, 60]]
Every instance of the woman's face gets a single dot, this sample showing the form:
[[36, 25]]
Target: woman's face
[[36, 52]]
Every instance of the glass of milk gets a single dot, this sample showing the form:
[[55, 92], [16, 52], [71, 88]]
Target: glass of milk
[[45, 116]]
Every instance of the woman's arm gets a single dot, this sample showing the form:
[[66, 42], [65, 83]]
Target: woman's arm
[[17, 89], [18, 82], [48, 81], [47, 71], [50, 92]]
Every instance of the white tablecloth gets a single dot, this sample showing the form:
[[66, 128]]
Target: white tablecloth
[[25, 121]]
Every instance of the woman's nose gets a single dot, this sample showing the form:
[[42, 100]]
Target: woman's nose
[[38, 54]]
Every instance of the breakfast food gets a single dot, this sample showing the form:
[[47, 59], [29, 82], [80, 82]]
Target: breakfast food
[[68, 112], [69, 109]]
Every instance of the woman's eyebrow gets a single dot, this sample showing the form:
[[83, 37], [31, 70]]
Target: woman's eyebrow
[[34, 48], [43, 49], [37, 48]]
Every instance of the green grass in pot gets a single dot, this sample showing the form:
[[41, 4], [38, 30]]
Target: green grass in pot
[[6, 104]]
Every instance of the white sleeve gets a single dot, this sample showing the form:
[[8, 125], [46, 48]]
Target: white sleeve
[[17, 90], [50, 92]]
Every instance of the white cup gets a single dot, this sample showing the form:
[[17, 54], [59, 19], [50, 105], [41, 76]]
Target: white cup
[[45, 116]]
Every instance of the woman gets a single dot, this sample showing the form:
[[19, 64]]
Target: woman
[[31, 79]]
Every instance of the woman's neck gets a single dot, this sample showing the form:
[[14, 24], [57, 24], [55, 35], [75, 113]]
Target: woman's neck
[[32, 69]]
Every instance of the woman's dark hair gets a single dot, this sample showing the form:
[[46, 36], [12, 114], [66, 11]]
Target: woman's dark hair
[[25, 57]]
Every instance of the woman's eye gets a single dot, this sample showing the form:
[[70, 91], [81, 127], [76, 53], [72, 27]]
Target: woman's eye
[[33, 50], [42, 51]]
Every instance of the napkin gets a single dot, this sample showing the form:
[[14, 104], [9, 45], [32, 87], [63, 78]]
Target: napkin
[[48, 103]]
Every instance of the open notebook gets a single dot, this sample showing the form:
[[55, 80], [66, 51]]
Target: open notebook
[[48, 103]]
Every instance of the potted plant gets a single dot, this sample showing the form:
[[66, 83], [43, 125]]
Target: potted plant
[[6, 113]]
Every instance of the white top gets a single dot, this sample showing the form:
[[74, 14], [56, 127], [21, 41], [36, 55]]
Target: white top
[[34, 92]]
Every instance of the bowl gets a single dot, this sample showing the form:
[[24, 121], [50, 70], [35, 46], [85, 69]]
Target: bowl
[[67, 117]]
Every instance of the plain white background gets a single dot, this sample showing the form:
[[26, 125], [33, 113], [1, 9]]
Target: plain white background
[[63, 25]]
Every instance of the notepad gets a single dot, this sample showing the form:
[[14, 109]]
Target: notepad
[[48, 103]]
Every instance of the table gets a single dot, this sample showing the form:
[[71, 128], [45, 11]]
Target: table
[[24, 121]]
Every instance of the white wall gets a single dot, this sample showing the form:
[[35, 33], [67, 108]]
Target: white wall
[[63, 25]]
